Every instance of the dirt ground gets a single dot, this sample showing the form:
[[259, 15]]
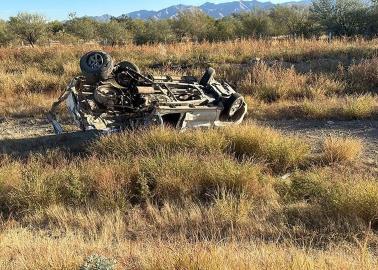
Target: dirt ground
[[20, 136]]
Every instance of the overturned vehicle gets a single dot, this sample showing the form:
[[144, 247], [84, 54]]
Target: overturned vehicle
[[112, 97]]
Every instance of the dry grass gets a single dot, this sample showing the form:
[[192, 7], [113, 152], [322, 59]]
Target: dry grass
[[229, 234], [272, 83], [337, 149], [162, 166], [338, 193], [338, 108], [364, 76], [19, 246], [30, 105], [127, 169], [160, 199], [280, 152]]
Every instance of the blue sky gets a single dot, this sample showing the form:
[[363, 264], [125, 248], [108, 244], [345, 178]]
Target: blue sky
[[59, 9]]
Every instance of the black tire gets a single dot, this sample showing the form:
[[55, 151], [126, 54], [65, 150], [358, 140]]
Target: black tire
[[125, 64], [208, 77], [96, 66], [125, 79], [233, 107]]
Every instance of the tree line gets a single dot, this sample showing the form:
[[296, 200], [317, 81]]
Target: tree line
[[330, 17]]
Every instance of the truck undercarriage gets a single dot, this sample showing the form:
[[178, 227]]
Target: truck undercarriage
[[117, 97]]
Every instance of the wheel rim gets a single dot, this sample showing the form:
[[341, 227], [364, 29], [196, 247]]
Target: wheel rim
[[236, 106], [95, 61]]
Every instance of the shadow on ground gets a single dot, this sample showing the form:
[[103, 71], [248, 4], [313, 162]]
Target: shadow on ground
[[75, 142]]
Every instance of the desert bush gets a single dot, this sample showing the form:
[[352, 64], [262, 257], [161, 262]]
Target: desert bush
[[345, 194], [338, 149], [364, 106], [363, 77], [28, 27]]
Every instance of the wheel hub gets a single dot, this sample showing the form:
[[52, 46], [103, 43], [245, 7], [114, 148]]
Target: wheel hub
[[236, 106], [95, 61]]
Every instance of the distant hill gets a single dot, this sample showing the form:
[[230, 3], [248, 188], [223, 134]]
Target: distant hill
[[214, 10], [103, 18], [166, 13]]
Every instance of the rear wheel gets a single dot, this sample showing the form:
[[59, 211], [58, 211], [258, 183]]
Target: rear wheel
[[122, 73], [128, 65], [234, 106], [96, 66]]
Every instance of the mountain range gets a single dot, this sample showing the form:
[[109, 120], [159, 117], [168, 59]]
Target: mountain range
[[216, 11]]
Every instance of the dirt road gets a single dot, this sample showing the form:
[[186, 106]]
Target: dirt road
[[19, 136]]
